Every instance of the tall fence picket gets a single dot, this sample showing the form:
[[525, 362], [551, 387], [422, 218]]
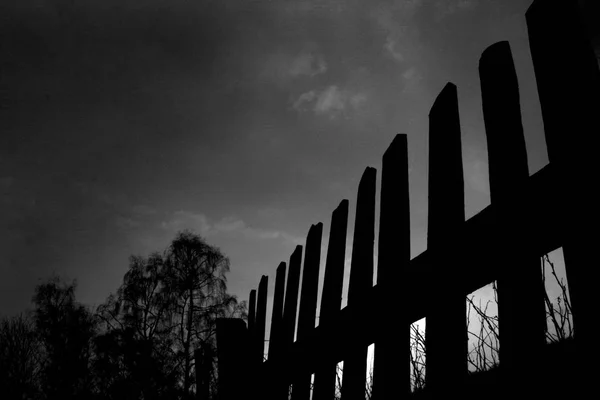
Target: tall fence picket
[[520, 285], [237, 376], [278, 388], [445, 328], [289, 310], [291, 296], [392, 351], [308, 304], [331, 299], [570, 114], [252, 313], [261, 319], [569, 93], [361, 280], [275, 338]]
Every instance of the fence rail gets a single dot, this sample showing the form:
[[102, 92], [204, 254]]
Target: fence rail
[[529, 216]]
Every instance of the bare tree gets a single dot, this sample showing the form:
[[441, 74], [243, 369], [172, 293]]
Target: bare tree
[[136, 343], [417, 357], [484, 353], [167, 306], [195, 275], [21, 355], [560, 317]]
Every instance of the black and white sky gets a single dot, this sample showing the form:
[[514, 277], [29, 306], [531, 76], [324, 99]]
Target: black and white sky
[[123, 121]]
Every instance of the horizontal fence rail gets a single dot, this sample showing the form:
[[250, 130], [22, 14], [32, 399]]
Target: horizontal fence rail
[[529, 216]]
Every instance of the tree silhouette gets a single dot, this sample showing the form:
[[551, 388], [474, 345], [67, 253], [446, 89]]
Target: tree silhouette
[[65, 328], [20, 357], [195, 278], [164, 311], [135, 356], [561, 315], [141, 343]]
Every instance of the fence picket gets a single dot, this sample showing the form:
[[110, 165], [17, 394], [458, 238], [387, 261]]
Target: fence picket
[[520, 285], [445, 328], [277, 317], [570, 114], [261, 319], [361, 280], [252, 313], [392, 351], [233, 347], [308, 304], [569, 93], [331, 298]]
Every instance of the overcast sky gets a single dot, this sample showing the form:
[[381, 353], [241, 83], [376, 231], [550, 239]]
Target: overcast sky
[[123, 121]]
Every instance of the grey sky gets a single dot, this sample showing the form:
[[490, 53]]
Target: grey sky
[[123, 121]]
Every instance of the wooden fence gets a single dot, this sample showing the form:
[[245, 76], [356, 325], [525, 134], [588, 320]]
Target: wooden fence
[[529, 216]]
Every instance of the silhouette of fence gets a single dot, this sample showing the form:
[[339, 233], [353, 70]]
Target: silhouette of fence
[[502, 243]]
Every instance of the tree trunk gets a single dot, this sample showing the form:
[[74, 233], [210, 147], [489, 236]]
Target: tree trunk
[[186, 378]]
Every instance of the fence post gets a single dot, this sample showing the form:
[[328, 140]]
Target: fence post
[[276, 389], [252, 314], [236, 376], [521, 310], [445, 329], [570, 114], [277, 316], [361, 280], [308, 304], [291, 296], [392, 350], [289, 313], [261, 319], [331, 298]]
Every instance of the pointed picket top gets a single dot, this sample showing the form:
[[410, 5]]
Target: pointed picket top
[[252, 312], [333, 281], [446, 182], [275, 338], [507, 153], [261, 316], [291, 296], [361, 266], [310, 280]]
